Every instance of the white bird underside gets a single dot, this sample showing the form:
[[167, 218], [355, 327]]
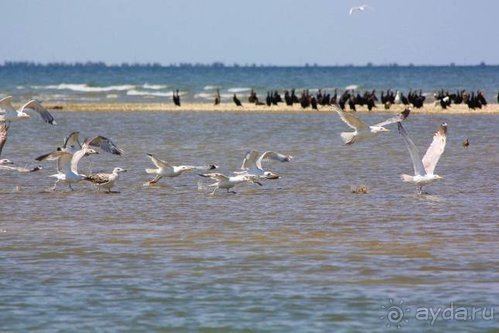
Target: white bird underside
[[424, 168], [362, 131], [165, 169], [227, 182]]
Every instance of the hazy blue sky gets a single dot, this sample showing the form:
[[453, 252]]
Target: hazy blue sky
[[269, 32]]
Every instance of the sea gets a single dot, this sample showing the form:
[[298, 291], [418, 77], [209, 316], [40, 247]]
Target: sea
[[302, 253], [97, 82]]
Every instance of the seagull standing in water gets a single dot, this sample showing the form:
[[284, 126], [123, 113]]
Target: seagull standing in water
[[362, 130], [424, 168], [165, 169], [252, 164], [106, 180]]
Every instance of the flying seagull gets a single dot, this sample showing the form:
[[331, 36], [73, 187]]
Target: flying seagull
[[165, 169], [72, 145], [106, 180], [227, 182], [362, 130], [424, 168], [358, 8], [252, 164], [68, 164], [9, 113]]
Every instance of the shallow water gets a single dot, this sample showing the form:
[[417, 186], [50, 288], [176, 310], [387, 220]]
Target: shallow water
[[299, 254]]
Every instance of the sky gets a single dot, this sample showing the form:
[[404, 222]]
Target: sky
[[261, 32]]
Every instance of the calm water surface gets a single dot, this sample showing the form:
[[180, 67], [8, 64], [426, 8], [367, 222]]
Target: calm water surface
[[301, 254]]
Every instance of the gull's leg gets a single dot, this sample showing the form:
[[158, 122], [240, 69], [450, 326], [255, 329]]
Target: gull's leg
[[420, 189], [213, 193], [69, 184], [55, 185]]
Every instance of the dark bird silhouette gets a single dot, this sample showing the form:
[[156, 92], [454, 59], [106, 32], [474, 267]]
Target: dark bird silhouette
[[217, 97], [466, 142], [236, 100], [176, 98]]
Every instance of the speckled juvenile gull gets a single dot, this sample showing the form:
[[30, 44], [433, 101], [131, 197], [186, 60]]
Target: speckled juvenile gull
[[106, 180]]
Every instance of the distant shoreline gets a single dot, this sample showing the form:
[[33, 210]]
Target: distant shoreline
[[428, 108]]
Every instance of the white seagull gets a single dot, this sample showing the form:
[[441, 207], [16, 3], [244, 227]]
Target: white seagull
[[424, 168], [362, 130], [106, 180], [227, 182], [165, 169], [68, 165], [252, 164], [358, 8], [9, 113], [72, 145]]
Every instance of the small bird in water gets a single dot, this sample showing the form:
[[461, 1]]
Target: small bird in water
[[466, 142]]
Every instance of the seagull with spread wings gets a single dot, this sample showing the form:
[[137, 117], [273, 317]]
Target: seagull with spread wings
[[252, 164], [72, 145], [165, 169], [362, 130], [228, 182], [9, 113], [424, 168], [68, 164]]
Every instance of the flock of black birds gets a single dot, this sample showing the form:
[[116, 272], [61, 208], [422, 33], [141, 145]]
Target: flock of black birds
[[416, 98]]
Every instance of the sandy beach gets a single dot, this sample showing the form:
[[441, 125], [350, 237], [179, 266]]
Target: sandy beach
[[428, 108]]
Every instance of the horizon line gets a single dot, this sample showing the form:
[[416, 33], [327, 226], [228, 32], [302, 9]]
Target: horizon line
[[219, 64]]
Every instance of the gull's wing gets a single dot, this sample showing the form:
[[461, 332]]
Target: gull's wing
[[157, 162], [36, 106], [250, 159], [272, 155], [215, 176], [4, 131], [413, 151], [350, 119], [436, 149], [398, 118], [6, 105], [56, 156], [72, 140], [105, 144]]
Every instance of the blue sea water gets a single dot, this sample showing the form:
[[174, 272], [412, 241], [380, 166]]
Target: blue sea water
[[154, 83]]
